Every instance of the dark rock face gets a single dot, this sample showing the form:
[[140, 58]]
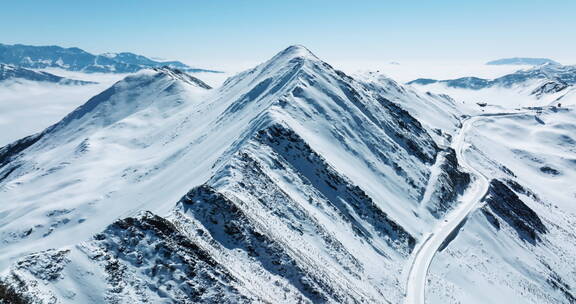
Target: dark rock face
[[451, 183], [9, 153], [233, 229], [549, 170], [234, 219], [549, 87], [153, 246], [503, 204], [278, 202], [136, 259], [522, 190], [12, 295], [406, 129], [333, 186], [560, 285]]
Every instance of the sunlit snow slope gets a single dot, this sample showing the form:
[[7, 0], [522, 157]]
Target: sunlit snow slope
[[520, 243], [290, 182]]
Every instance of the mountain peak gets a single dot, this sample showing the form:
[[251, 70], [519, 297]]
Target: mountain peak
[[296, 51], [283, 66], [183, 76]]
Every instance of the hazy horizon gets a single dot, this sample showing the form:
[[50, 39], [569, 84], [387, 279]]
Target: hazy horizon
[[239, 34]]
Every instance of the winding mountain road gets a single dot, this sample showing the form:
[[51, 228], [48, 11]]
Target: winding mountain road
[[442, 232]]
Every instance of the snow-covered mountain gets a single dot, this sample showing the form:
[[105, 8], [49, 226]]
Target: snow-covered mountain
[[12, 73], [438, 111], [75, 59], [561, 74], [522, 61], [543, 85], [291, 182], [520, 242]]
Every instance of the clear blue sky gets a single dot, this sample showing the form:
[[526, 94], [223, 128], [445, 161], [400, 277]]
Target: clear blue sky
[[213, 33]]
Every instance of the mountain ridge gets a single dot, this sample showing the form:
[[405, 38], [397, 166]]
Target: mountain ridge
[[541, 81], [287, 168], [76, 59]]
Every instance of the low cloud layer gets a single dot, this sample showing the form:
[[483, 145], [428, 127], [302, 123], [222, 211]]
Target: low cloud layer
[[28, 107]]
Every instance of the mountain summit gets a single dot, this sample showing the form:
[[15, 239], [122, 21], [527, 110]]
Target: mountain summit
[[295, 51], [289, 183]]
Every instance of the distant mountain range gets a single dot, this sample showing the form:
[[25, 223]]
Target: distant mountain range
[[546, 79], [522, 61], [75, 59], [8, 72]]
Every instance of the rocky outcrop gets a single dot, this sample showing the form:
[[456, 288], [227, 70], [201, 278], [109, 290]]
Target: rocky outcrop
[[503, 204], [451, 183]]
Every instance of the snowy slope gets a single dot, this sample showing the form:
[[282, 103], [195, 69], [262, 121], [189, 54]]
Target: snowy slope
[[520, 243], [28, 107], [297, 181], [438, 112]]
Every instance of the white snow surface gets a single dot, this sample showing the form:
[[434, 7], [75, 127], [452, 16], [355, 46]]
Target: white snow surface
[[437, 111], [28, 107], [534, 150], [351, 163], [291, 182]]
